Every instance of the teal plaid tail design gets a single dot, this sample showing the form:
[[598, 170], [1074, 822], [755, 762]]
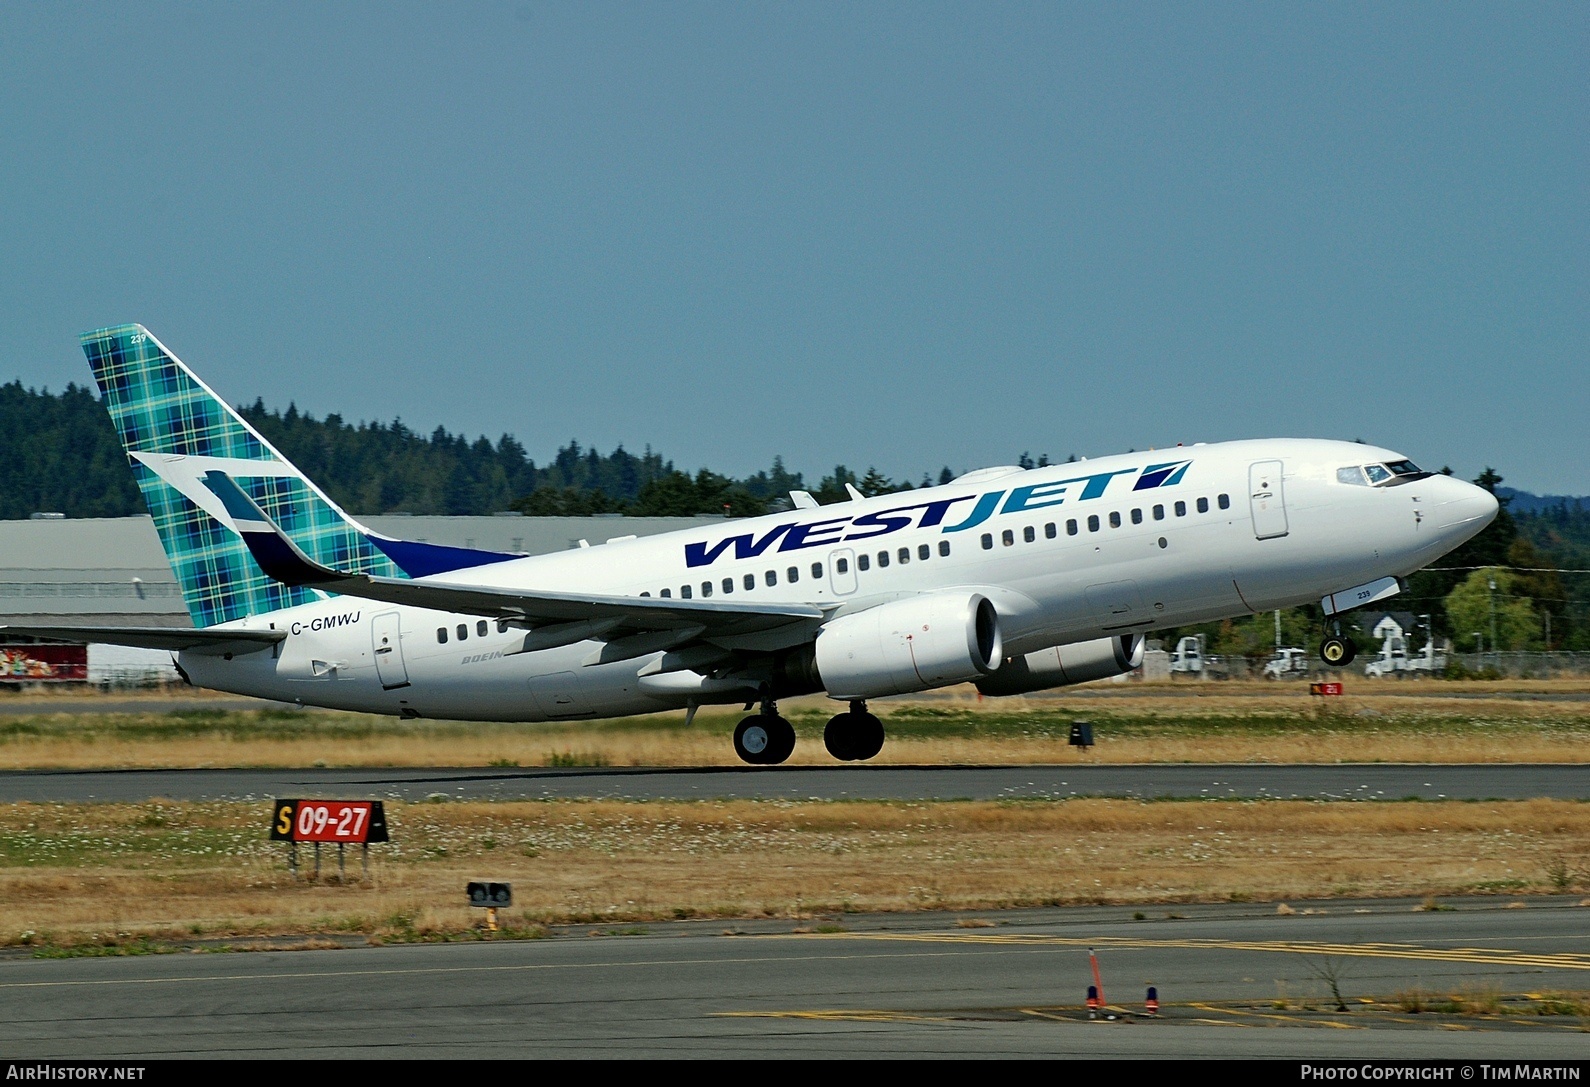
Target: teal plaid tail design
[[174, 430]]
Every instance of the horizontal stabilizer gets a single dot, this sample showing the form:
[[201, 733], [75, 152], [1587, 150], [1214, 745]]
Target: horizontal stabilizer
[[209, 640]]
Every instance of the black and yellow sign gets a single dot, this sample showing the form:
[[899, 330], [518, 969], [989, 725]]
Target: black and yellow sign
[[357, 821]]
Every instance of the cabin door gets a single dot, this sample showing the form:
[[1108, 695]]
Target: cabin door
[[384, 634], [1266, 499]]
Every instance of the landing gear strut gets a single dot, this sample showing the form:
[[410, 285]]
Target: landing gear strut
[[854, 736], [1337, 651], [764, 739]]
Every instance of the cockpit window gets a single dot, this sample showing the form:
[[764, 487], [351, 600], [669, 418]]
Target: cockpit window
[[1381, 475]]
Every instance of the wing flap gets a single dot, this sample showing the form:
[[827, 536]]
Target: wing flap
[[280, 558]]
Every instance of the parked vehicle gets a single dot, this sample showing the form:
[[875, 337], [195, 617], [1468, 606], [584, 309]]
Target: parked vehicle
[[1287, 662], [1394, 661], [1188, 656]]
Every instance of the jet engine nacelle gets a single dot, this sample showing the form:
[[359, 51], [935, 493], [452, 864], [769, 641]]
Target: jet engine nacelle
[[1063, 665], [910, 645]]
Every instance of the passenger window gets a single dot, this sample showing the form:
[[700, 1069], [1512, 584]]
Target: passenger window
[[750, 581], [883, 559], [924, 552], [903, 555], [771, 577], [666, 592], [1029, 534], [842, 565], [794, 574], [1137, 517], [1159, 513], [706, 589], [480, 628], [1115, 518], [944, 548], [463, 631], [988, 542], [1071, 526], [817, 569], [1093, 522], [684, 592], [1181, 509], [441, 635], [1007, 537], [728, 585], [1049, 531], [863, 562], [1225, 501], [1203, 505]]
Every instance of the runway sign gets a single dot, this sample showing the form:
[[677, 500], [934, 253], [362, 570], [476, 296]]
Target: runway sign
[[341, 821]]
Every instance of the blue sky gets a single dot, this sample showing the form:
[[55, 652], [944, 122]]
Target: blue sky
[[872, 234]]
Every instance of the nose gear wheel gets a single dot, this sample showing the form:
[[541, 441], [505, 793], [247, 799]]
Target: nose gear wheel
[[1337, 652]]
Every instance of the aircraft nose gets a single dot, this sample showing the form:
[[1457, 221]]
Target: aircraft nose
[[1464, 507]]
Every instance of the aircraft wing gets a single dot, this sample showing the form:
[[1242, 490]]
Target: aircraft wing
[[173, 638], [282, 560]]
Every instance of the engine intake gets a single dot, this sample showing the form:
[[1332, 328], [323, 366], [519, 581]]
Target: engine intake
[[1063, 665], [910, 645]]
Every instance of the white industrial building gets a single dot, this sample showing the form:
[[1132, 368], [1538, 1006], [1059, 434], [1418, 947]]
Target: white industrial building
[[112, 571]]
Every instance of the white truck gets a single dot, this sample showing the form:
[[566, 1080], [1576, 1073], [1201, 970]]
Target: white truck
[[1393, 660], [1288, 662], [1188, 656]]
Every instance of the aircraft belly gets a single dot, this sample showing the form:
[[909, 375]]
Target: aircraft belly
[[1322, 553], [1157, 587]]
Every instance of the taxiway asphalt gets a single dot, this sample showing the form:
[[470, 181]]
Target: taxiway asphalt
[[1367, 781], [1233, 981]]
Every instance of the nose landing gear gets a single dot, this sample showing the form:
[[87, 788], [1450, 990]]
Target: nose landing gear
[[1337, 651], [764, 739], [854, 736]]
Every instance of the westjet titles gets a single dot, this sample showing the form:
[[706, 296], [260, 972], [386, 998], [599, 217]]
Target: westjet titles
[[796, 536]]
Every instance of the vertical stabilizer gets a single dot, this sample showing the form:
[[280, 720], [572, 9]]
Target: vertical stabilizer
[[175, 430]]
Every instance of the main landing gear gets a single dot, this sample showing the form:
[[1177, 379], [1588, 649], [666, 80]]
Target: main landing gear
[[854, 736], [764, 739]]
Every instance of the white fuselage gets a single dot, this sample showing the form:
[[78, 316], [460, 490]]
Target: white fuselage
[[1066, 553]]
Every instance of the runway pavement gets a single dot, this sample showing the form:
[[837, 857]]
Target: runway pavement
[[1233, 981], [1374, 781]]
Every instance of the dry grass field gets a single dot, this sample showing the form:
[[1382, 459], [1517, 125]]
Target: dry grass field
[[115, 878], [1377, 721]]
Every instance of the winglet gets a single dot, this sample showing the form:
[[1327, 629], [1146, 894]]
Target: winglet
[[271, 548]]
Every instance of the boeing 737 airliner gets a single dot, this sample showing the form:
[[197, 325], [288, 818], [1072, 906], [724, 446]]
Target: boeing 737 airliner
[[1015, 580]]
